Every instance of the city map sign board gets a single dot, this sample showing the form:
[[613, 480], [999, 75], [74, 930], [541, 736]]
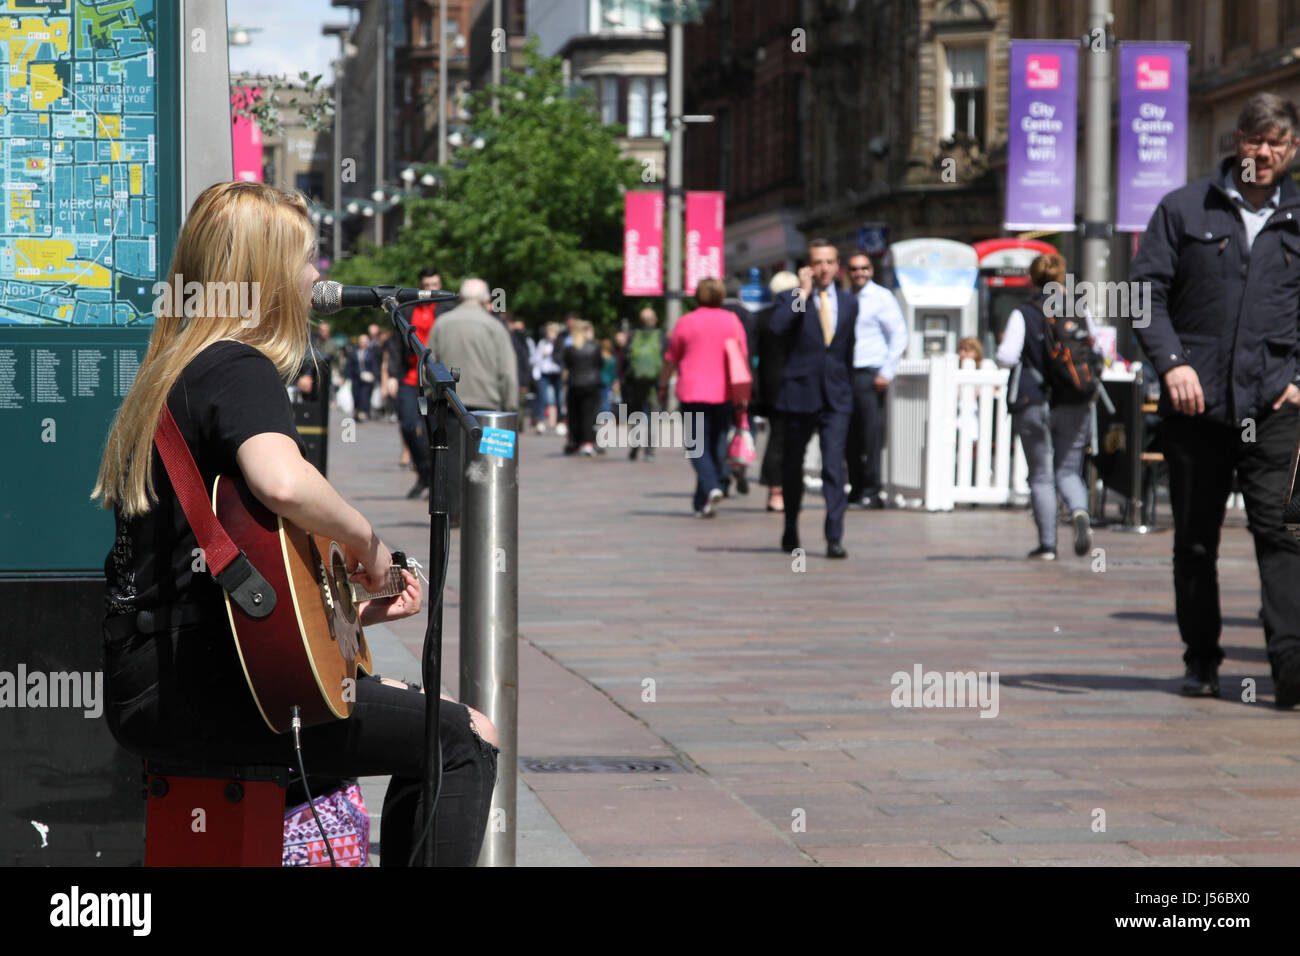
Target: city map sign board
[[88, 118]]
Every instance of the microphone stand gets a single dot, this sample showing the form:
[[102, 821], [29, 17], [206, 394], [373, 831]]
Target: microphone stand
[[437, 395]]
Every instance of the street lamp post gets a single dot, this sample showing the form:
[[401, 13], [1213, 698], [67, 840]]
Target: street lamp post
[[677, 13], [442, 82], [341, 31], [380, 125], [673, 287], [496, 56]]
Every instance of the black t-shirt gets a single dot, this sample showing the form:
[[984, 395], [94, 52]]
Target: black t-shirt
[[227, 394], [584, 365]]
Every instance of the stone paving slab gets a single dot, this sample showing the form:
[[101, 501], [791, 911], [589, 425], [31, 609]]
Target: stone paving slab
[[773, 683]]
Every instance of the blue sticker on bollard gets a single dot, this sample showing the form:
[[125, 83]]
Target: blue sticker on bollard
[[497, 441]]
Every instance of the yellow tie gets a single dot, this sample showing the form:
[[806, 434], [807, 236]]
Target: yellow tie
[[828, 329]]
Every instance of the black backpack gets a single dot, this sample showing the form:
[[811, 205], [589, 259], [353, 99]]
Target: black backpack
[[1072, 363]]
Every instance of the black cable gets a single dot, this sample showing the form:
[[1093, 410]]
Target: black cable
[[437, 792], [424, 834], [296, 723]]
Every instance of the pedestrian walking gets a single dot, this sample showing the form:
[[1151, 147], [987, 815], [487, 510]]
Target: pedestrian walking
[[1052, 423], [644, 361], [408, 390], [697, 352], [767, 388], [550, 371], [608, 374], [523, 363], [471, 338], [582, 370], [880, 339], [816, 395], [1222, 256]]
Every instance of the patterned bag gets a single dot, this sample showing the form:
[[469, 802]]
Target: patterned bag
[[741, 452], [347, 823]]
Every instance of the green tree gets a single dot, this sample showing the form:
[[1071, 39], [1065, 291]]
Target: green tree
[[537, 212]]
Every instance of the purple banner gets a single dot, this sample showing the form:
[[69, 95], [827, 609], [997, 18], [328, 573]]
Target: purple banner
[[1041, 145], [1152, 129]]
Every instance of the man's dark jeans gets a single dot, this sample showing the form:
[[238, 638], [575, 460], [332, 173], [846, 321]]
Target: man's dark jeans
[[408, 416], [1202, 456], [866, 432], [706, 435]]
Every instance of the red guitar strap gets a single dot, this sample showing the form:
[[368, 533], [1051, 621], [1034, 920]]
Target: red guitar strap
[[225, 561]]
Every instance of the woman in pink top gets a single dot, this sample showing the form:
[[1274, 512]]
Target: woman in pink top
[[697, 352]]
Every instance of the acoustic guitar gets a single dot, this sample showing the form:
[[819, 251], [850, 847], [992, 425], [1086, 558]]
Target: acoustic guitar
[[308, 650]]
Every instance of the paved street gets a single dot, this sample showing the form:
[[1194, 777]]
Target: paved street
[[772, 688]]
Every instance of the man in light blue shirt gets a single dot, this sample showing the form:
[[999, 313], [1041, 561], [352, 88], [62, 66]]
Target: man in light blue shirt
[[880, 342]]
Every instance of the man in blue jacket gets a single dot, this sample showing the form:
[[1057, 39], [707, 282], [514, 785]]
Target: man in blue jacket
[[1223, 259], [816, 321]]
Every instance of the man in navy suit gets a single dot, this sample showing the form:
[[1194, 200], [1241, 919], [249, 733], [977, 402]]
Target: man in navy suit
[[816, 322]]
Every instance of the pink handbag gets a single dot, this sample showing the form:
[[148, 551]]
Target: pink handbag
[[740, 381]]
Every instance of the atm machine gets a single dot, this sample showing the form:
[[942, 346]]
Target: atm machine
[[936, 291]]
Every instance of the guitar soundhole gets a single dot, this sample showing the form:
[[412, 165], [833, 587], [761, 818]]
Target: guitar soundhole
[[342, 588]]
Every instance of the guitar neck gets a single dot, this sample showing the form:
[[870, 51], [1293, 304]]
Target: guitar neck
[[396, 585]]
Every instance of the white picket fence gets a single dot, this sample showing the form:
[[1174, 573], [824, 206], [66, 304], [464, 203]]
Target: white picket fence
[[949, 438]]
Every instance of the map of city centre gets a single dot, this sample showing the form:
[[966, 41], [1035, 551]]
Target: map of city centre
[[78, 175]]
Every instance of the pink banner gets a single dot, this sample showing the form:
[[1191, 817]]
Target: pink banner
[[246, 137], [643, 243], [704, 215]]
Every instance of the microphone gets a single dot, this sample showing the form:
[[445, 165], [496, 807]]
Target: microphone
[[327, 296]]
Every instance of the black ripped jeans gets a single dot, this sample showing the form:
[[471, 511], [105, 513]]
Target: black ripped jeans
[[181, 694]]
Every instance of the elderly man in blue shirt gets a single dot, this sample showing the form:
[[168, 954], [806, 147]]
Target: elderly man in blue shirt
[[880, 343]]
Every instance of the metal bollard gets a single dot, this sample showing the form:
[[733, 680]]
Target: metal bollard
[[489, 611]]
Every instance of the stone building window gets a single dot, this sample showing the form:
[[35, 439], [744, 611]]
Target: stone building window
[[1238, 26], [638, 106], [609, 100], [658, 105], [638, 102], [1288, 14], [965, 100]]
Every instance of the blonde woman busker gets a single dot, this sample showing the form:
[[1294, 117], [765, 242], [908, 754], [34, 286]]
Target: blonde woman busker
[[175, 687]]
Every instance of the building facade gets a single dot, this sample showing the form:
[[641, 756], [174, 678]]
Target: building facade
[[415, 75], [617, 49], [484, 48], [743, 68], [908, 107], [835, 115]]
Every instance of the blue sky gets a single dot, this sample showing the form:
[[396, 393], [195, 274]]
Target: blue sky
[[290, 39]]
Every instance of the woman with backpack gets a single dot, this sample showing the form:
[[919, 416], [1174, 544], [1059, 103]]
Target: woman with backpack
[[642, 361], [1054, 380]]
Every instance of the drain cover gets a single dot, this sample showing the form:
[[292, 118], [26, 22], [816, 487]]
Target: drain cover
[[599, 765]]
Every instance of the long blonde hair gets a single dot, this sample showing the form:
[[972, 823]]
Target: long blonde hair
[[583, 332], [236, 232]]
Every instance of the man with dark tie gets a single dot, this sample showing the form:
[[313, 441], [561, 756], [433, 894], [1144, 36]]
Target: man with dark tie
[[816, 322]]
